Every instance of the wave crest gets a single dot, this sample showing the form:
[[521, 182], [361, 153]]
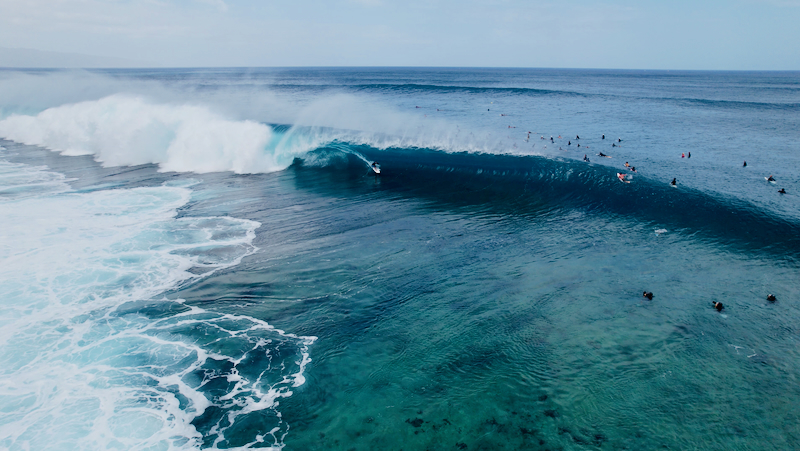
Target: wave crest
[[124, 130]]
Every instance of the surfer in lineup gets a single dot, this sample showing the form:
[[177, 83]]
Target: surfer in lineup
[[601, 154], [627, 165], [633, 168], [604, 137], [683, 155], [569, 143], [577, 137], [585, 158], [689, 155], [674, 182], [782, 191], [648, 295], [619, 140], [745, 164], [770, 178], [613, 145], [718, 306]]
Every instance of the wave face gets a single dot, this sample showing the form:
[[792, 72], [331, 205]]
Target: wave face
[[92, 356]]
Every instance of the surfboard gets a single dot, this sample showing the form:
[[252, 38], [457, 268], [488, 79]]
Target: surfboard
[[674, 186], [376, 169]]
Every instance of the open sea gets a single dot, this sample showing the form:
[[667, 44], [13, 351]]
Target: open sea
[[205, 259]]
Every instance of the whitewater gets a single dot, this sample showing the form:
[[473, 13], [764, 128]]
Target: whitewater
[[203, 259]]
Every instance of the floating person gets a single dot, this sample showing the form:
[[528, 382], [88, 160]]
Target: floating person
[[648, 295], [674, 182], [771, 298], [604, 137], [745, 164], [718, 306], [782, 191]]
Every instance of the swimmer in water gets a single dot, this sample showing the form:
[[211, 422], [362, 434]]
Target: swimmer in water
[[689, 155], [604, 137], [718, 306], [674, 182], [585, 158], [770, 178], [633, 168], [613, 145], [648, 295], [619, 140], [744, 165], [782, 191], [577, 137], [683, 155], [569, 143], [771, 298], [579, 145], [627, 165]]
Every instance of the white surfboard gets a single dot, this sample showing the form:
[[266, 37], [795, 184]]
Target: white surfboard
[[376, 169]]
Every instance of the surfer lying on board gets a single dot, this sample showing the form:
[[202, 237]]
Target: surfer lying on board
[[770, 178], [601, 154], [782, 191], [621, 177]]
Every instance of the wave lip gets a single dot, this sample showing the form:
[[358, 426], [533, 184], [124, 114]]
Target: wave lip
[[123, 130]]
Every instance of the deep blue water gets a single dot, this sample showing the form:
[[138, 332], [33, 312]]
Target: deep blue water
[[203, 258]]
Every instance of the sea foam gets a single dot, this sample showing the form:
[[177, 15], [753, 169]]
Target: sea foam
[[92, 356], [124, 130]]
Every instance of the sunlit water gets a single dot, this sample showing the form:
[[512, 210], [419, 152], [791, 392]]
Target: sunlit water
[[217, 280]]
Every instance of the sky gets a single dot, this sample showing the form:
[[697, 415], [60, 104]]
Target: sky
[[620, 34]]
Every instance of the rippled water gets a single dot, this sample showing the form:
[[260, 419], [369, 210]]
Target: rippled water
[[482, 293]]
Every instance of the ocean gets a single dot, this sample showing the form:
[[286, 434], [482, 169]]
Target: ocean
[[205, 259]]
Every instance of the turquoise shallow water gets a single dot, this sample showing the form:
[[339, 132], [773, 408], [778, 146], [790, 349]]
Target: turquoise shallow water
[[481, 293]]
